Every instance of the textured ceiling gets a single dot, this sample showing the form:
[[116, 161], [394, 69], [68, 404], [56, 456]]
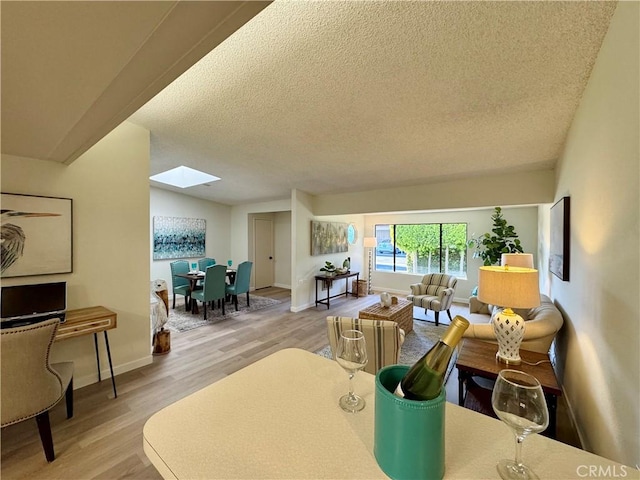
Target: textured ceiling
[[336, 96], [326, 96]]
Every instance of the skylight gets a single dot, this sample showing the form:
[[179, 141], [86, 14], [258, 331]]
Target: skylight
[[183, 177]]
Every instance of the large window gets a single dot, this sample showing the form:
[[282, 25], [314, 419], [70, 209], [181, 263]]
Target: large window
[[422, 248]]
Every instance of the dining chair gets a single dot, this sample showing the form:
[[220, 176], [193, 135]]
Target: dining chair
[[30, 385], [241, 283], [181, 286], [213, 288], [205, 262]]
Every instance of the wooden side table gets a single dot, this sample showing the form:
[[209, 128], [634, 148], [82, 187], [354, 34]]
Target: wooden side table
[[85, 321], [401, 313], [478, 358]]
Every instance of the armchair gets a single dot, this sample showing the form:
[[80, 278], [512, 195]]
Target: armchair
[[434, 292], [384, 339], [31, 385], [542, 323]]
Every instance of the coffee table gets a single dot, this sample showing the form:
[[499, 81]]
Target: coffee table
[[401, 313], [478, 359]]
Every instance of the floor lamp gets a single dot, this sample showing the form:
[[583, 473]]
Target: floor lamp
[[370, 243]]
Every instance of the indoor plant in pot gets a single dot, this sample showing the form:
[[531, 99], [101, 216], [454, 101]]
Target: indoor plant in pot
[[329, 269], [502, 239]]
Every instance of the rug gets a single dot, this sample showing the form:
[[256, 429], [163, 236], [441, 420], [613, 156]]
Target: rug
[[181, 320], [416, 344]]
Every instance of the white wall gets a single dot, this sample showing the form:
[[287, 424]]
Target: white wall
[[109, 186], [598, 351], [282, 249], [524, 219], [218, 224]]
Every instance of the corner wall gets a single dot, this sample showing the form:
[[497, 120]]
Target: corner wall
[[598, 350], [109, 186]]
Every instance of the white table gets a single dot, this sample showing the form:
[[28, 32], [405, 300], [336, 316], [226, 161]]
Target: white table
[[279, 418]]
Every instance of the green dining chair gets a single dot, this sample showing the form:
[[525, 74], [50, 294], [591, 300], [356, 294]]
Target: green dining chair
[[241, 283], [205, 262], [180, 285], [213, 288]]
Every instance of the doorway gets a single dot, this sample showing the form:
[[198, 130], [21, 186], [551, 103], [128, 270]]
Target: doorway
[[263, 252]]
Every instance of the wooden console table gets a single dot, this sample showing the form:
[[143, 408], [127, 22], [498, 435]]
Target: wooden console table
[[478, 358], [84, 321], [327, 282]]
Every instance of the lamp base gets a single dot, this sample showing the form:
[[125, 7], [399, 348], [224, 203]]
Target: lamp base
[[509, 329], [508, 361]]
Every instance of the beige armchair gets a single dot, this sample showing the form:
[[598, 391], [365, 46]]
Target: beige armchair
[[31, 386], [434, 292], [542, 323], [384, 339]]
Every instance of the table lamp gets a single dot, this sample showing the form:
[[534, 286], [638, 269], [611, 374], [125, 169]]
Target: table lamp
[[509, 287], [370, 243], [517, 260]]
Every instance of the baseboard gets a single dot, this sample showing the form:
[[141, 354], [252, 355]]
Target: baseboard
[[301, 307], [79, 382], [572, 418], [282, 285]]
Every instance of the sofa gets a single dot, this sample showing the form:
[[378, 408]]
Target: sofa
[[542, 323]]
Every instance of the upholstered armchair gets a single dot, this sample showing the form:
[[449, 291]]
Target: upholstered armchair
[[30, 384], [434, 292], [542, 323], [384, 339]]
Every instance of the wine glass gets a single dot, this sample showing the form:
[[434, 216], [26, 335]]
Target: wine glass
[[518, 401], [352, 356], [229, 262]]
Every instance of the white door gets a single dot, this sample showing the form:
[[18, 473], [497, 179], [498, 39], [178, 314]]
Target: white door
[[263, 252]]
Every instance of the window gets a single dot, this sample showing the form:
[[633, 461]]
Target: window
[[422, 248]]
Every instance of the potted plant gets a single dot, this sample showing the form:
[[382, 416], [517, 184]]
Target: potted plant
[[329, 269], [503, 239]]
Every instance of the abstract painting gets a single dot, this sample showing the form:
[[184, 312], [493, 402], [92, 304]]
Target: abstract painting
[[175, 237], [328, 237], [36, 235], [559, 249]]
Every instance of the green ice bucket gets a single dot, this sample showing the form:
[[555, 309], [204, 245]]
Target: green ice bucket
[[408, 434]]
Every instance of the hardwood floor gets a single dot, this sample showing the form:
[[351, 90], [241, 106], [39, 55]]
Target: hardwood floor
[[104, 438]]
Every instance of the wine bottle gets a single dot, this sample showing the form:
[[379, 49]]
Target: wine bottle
[[424, 379]]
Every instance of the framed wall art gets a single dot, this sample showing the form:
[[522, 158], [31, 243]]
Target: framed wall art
[[37, 235], [176, 237], [328, 237], [559, 249]]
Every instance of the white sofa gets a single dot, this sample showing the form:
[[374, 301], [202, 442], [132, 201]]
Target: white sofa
[[542, 324]]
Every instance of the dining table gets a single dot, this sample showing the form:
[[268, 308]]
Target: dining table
[[279, 418], [194, 278]]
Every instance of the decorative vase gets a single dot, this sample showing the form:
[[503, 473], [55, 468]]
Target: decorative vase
[[385, 299]]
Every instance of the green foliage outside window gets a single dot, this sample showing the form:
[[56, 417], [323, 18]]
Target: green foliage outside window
[[428, 248]]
